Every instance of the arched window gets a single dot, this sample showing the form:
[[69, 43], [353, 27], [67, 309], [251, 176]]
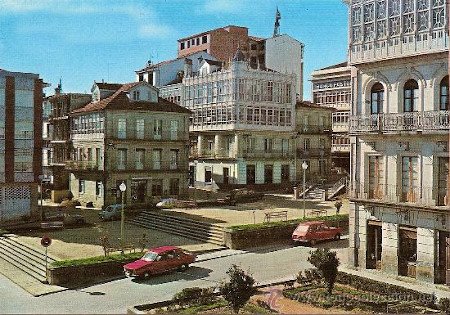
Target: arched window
[[410, 96], [443, 93], [376, 98]]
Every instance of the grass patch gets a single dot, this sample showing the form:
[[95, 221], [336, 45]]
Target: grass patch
[[202, 308], [258, 226], [96, 260]]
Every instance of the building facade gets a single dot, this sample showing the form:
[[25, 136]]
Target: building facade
[[128, 134], [399, 127], [331, 87], [242, 124], [21, 97], [60, 143], [313, 141]]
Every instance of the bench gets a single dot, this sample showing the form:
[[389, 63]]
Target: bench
[[52, 225], [278, 214], [318, 212]]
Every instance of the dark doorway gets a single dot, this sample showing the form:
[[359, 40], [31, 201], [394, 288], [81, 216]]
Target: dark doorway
[[250, 174], [284, 174], [443, 259], [374, 248], [208, 176], [226, 175], [192, 176], [407, 252], [268, 174]]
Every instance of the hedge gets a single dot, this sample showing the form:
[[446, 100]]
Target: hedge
[[96, 260]]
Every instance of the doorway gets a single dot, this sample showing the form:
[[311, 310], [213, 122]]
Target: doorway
[[226, 175], [250, 174], [443, 259], [407, 251], [374, 248]]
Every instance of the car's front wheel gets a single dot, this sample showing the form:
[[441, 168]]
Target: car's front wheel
[[183, 267]]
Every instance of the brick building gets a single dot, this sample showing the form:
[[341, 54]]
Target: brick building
[[21, 97]]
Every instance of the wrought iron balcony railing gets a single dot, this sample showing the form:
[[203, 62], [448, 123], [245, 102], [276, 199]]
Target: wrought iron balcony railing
[[390, 193], [429, 121], [83, 166]]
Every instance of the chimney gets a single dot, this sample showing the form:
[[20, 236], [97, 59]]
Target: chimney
[[187, 67]]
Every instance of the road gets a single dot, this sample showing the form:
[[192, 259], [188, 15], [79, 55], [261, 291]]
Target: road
[[265, 264]]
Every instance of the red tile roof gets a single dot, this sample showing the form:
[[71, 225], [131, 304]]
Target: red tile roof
[[120, 101], [108, 86]]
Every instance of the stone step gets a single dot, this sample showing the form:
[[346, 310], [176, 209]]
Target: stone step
[[185, 227], [23, 259]]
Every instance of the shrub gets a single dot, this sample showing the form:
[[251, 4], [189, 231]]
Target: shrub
[[238, 291], [327, 263], [195, 296], [444, 305]]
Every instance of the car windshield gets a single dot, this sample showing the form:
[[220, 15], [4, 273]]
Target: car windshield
[[302, 228], [150, 256]]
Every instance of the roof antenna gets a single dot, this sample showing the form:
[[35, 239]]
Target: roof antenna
[[276, 28]]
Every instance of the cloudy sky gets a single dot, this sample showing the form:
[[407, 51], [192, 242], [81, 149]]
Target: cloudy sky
[[85, 40]]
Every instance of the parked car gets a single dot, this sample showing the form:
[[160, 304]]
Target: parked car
[[243, 195], [159, 260], [313, 231], [111, 212]]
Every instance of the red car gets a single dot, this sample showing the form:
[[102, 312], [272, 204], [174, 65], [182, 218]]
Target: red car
[[159, 260], [314, 231]]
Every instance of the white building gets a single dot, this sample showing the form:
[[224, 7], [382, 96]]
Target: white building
[[242, 124], [399, 213]]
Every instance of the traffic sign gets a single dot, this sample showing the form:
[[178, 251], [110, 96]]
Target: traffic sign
[[46, 241]]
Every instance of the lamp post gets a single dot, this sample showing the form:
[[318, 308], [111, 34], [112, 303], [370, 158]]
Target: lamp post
[[304, 167], [122, 188], [41, 212]]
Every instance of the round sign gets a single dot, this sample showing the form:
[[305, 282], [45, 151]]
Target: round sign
[[46, 241]]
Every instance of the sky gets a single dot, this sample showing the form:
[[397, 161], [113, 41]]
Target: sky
[[82, 41]]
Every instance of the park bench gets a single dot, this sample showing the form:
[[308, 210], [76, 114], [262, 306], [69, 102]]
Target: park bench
[[278, 214], [318, 212]]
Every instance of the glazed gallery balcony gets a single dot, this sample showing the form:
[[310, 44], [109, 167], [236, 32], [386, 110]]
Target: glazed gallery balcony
[[429, 122]]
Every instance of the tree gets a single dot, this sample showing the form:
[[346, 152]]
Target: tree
[[327, 263], [238, 291]]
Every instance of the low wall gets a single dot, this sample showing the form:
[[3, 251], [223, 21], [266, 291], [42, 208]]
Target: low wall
[[73, 275], [242, 239]]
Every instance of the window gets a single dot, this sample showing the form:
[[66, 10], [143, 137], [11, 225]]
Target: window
[[322, 143], [375, 177], [157, 187], [410, 178], [204, 39], [136, 96], [444, 94], [81, 186], [140, 129], [89, 154], [98, 188], [173, 129], [251, 144], [122, 128], [410, 96], [156, 158], [198, 41], [181, 46], [284, 147], [174, 188], [174, 159], [157, 129], [285, 173], [268, 144], [376, 98], [306, 144], [139, 159], [121, 159]]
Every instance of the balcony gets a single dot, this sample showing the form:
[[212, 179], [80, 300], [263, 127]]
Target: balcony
[[340, 148], [83, 166], [312, 153], [261, 154], [313, 129], [413, 196], [429, 122]]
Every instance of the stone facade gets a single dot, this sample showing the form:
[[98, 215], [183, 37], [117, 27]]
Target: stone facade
[[129, 136], [399, 128]]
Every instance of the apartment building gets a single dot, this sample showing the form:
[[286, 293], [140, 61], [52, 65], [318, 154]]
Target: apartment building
[[242, 125], [313, 141], [128, 134], [331, 87], [399, 127], [59, 107], [21, 97]]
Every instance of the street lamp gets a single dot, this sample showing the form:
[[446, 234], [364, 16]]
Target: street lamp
[[122, 188], [304, 167]]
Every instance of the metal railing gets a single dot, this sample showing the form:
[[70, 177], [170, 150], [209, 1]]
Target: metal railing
[[423, 196], [313, 152], [82, 165], [409, 121]]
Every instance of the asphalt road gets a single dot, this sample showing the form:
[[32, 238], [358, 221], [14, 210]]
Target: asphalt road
[[265, 264]]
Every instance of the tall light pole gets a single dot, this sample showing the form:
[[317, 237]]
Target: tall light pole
[[122, 188], [304, 167], [41, 212]]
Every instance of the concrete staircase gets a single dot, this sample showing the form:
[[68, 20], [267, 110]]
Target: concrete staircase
[[23, 257], [178, 225]]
